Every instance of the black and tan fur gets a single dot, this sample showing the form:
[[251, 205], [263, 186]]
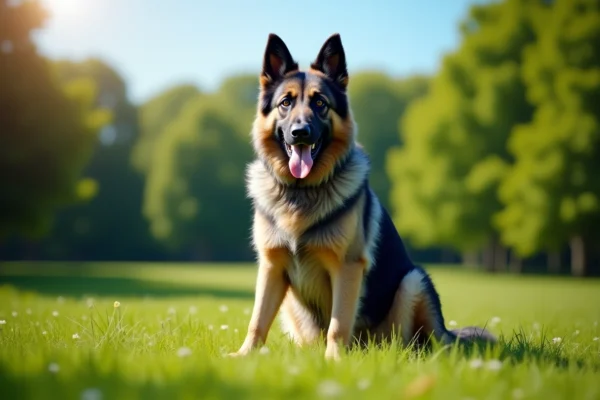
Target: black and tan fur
[[330, 259]]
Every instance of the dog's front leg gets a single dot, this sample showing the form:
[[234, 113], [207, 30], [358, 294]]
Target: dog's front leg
[[345, 284], [271, 287]]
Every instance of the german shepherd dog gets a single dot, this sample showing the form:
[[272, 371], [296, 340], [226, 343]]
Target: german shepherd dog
[[330, 258]]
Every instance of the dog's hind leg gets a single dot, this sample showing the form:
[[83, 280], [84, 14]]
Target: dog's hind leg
[[417, 314]]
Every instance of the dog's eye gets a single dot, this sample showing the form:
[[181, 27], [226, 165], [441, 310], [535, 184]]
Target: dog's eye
[[319, 102], [286, 103]]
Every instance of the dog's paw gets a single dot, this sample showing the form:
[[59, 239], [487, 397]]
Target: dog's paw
[[237, 354], [332, 353]]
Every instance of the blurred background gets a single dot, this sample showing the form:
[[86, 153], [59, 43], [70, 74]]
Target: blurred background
[[125, 126]]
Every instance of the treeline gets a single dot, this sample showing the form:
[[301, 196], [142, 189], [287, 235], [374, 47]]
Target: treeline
[[500, 160], [492, 161]]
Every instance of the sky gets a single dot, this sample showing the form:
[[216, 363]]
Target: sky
[[155, 44]]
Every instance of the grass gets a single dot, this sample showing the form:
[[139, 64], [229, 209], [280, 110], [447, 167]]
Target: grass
[[62, 337]]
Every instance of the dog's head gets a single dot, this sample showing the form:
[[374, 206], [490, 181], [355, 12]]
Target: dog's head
[[304, 126]]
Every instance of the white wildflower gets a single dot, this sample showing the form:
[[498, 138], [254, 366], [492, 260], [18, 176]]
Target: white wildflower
[[76, 336], [2, 322], [117, 304], [91, 394], [53, 367], [594, 339], [171, 311], [223, 308], [55, 313], [293, 370], [193, 309], [494, 365], [210, 327], [264, 350], [557, 340], [224, 327], [453, 323], [476, 363], [495, 320], [576, 332], [184, 352], [44, 333], [363, 384], [329, 388], [14, 313]]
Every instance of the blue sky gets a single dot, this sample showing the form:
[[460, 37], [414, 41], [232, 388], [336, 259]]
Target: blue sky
[[154, 44]]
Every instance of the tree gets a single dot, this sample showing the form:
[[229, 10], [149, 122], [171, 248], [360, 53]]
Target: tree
[[48, 129], [111, 225], [154, 116], [446, 176], [378, 102], [195, 193], [551, 192]]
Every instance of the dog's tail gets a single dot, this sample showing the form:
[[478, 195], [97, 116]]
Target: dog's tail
[[472, 335]]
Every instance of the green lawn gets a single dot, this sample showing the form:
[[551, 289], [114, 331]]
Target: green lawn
[[61, 337]]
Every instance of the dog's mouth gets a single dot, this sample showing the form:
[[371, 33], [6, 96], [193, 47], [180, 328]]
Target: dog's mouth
[[301, 156], [314, 148]]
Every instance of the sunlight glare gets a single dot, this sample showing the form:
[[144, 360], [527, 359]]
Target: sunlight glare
[[67, 9]]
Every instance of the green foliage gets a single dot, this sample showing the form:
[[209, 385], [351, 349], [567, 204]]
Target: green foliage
[[445, 177], [551, 193], [48, 128], [154, 116], [69, 339], [378, 101], [112, 218], [195, 192]]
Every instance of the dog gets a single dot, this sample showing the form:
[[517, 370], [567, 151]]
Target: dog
[[330, 259]]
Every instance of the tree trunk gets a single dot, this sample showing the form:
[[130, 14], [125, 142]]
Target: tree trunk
[[577, 256], [31, 251], [515, 263], [488, 257], [500, 257], [470, 259], [554, 262]]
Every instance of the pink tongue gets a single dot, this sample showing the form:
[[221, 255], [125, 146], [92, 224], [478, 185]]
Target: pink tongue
[[301, 161]]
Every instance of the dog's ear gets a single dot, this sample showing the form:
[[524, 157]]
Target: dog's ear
[[278, 61], [332, 61]]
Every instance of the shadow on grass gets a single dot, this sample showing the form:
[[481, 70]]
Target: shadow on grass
[[525, 348], [77, 286]]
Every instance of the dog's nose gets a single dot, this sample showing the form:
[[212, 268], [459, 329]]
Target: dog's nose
[[300, 131]]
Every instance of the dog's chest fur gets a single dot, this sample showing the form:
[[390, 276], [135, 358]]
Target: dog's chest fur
[[298, 219], [298, 216], [311, 285]]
